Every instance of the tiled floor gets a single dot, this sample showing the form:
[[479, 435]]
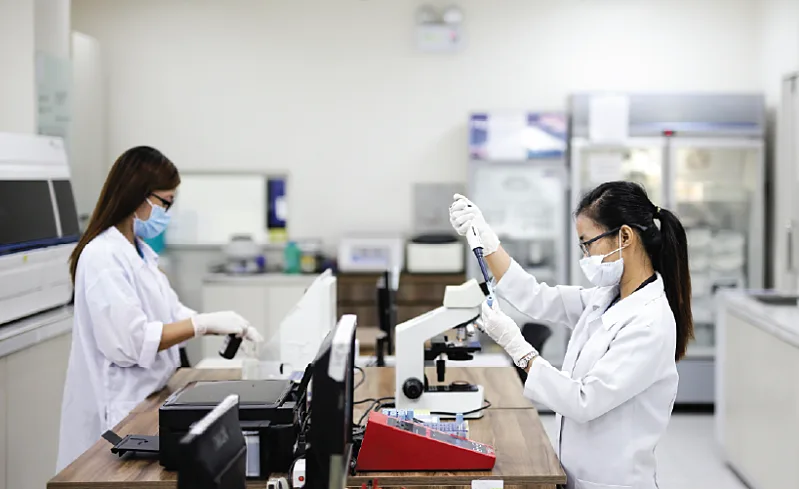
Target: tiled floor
[[687, 456]]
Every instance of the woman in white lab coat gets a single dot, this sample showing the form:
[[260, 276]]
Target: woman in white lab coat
[[128, 320], [616, 391]]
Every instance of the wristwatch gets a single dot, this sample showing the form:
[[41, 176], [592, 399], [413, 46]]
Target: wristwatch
[[525, 360]]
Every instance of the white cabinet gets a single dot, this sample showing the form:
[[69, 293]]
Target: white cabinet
[[786, 204], [34, 353], [3, 435], [757, 402], [35, 385], [264, 300]]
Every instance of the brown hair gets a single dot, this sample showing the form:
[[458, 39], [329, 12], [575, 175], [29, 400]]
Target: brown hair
[[135, 175]]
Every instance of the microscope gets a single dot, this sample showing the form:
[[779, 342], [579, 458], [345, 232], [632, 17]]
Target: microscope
[[460, 310]]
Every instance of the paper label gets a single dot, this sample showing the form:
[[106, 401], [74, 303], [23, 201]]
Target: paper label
[[604, 167], [487, 484], [608, 118]]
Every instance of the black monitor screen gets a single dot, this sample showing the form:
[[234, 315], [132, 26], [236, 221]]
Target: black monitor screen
[[26, 213], [67, 212], [330, 435]]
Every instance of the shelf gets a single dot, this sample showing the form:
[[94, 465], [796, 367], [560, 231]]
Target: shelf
[[700, 352]]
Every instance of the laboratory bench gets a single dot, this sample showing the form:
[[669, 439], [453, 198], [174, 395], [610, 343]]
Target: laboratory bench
[[757, 423], [525, 456]]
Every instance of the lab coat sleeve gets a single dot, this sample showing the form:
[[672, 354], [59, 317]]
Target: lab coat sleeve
[[628, 368], [179, 311], [123, 333], [558, 305]]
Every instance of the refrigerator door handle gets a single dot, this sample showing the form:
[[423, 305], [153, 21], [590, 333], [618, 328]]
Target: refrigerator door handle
[[789, 237]]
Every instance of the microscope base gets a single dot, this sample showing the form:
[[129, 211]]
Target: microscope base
[[446, 402]]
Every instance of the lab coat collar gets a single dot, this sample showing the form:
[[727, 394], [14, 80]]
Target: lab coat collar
[[632, 304], [150, 256]]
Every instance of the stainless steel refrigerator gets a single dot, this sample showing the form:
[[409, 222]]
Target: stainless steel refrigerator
[[518, 178], [701, 156]]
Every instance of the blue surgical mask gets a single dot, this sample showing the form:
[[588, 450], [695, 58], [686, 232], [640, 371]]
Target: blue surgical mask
[[154, 226]]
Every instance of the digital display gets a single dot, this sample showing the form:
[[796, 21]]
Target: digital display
[[26, 212]]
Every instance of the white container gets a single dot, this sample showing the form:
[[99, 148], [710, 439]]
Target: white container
[[727, 262], [728, 242], [371, 254], [698, 262], [698, 238], [435, 258], [701, 284]]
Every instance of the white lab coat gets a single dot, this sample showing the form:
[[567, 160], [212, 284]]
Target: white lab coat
[[122, 302], [616, 391]]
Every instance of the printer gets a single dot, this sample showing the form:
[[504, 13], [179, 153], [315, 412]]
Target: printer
[[269, 415]]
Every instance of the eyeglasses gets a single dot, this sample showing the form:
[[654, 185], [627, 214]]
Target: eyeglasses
[[167, 204], [585, 244]]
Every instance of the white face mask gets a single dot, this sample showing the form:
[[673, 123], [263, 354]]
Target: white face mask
[[604, 274]]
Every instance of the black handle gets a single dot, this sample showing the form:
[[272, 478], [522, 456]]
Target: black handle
[[441, 366]]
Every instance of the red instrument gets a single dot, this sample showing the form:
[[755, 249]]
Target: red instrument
[[394, 445]]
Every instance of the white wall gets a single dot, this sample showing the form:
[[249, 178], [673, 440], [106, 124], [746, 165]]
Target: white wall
[[88, 138], [17, 82], [52, 26], [335, 92]]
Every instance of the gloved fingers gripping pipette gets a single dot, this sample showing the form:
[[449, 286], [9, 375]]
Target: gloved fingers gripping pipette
[[476, 244]]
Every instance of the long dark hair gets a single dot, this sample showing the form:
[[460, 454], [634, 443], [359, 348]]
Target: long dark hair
[[614, 204], [135, 175]]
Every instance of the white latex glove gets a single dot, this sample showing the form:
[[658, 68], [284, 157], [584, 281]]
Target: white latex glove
[[223, 323], [505, 332], [463, 214]]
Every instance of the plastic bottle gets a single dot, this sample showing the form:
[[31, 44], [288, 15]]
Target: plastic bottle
[[292, 256]]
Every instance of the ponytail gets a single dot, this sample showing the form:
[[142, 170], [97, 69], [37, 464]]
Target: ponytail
[[615, 204], [672, 264]]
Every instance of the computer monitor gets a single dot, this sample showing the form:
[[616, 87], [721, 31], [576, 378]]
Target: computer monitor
[[214, 453], [304, 328], [330, 434]]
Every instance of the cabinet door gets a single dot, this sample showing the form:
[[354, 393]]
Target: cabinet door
[[639, 160], [717, 193], [3, 416], [786, 204], [35, 385]]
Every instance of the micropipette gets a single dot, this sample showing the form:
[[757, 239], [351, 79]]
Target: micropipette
[[476, 244]]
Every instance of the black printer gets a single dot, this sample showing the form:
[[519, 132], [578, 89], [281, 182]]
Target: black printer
[[269, 414]]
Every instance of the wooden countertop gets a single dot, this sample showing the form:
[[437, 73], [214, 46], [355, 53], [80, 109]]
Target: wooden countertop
[[524, 453]]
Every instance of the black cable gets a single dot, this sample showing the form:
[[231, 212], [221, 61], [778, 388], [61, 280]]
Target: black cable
[[376, 404], [442, 413], [363, 377]]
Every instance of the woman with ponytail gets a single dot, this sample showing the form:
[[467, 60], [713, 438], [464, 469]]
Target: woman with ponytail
[[616, 391]]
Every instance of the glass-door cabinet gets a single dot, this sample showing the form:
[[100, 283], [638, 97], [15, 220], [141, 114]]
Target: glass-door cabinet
[[718, 194], [638, 160]]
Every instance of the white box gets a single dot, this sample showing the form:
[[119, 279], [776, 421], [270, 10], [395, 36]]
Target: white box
[[371, 254], [435, 258]]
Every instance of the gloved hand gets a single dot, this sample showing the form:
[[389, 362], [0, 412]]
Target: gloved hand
[[463, 214], [225, 322], [505, 332]]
